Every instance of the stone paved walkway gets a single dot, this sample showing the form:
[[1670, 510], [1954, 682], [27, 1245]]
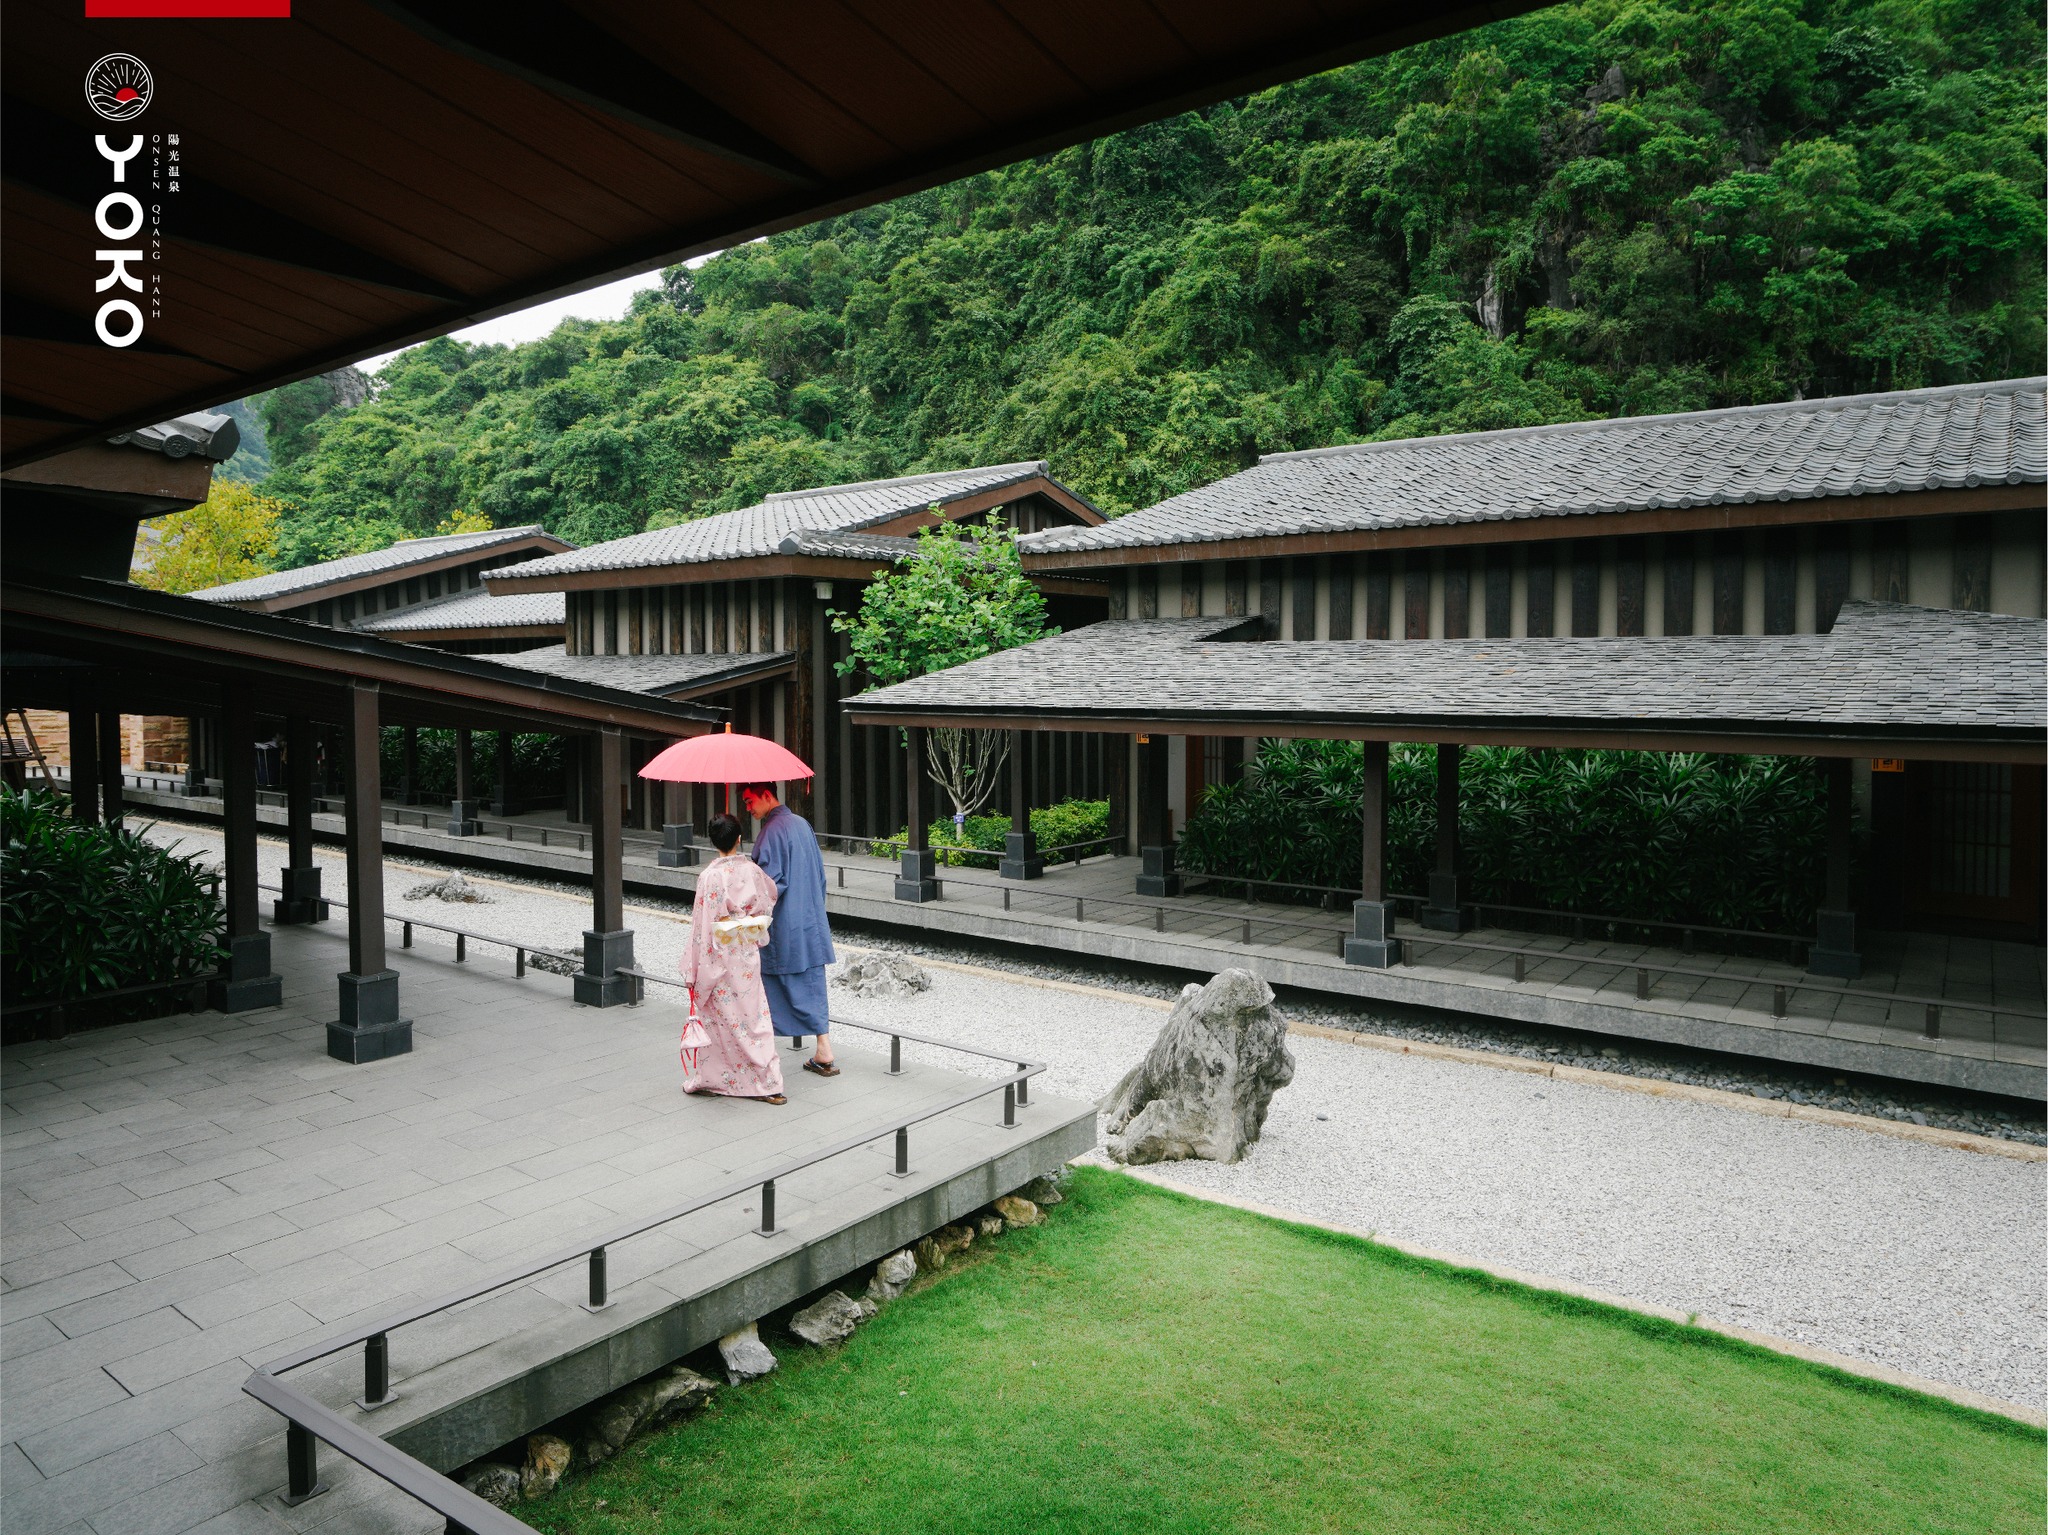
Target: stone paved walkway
[[189, 1197]]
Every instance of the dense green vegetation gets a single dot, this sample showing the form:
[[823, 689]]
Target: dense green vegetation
[[1610, 207], [537, 763], [1144, 1364], [978, 841], [1724, 841], [86, 907]]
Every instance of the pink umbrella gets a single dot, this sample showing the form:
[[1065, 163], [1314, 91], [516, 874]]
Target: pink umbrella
[[726, 758]]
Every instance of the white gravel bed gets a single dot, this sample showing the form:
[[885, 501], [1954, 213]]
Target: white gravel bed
[[1914, 1256]]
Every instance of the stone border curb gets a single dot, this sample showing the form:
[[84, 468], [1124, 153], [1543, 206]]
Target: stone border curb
[[1746, 1103], [1962, 1396]]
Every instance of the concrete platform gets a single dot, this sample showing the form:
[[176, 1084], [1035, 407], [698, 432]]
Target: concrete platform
[[1587, 986], [188, 1198]]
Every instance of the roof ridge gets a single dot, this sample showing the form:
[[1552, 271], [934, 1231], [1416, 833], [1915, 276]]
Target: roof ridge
[[1605, 423], [442, 538], [1033, 465]]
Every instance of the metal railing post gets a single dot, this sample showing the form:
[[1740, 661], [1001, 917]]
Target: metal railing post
[[406, 941], [461, 947], [1933, 1024], [1642, 983], [376, 1371], [768, 1207], [302, 1465], [1077, 908], [895, 1055], [1777, 1001], [1023, 1086], [600, 1295], [1520, 972], [903, 1151], [1009, 1105], [1247, 932], [1159, 919], [519, 963]]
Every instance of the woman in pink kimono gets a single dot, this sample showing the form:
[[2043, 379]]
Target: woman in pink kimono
[[729, 1046]]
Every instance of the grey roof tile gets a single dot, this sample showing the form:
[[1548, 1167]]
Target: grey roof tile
[[1877, 444], [754, 531], [662, 675], [473, 610], [1885, 668], [407, 551]]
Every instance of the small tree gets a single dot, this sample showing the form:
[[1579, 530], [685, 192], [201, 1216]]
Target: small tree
[[459, 521], [960, 596], [229, 536]]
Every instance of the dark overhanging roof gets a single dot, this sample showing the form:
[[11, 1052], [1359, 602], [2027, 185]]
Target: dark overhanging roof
[[664, 675], [353, 572], [167, 654], [375, 172], [1889, 680]]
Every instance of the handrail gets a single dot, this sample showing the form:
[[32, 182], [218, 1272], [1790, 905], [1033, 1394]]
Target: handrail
[[519, 947]]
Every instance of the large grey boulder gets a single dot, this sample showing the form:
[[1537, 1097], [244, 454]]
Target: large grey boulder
[[1203, 1088], [832, 1319], [453, 888], [883, 975], [746, 1356], [642, 1406], [892, 1275]]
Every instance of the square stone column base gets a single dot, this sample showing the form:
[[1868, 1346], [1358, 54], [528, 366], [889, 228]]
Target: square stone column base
[[1834, 950], [245, 980], [1020, 856], [676, 852], [918, 878], [301, 901], [1157, 875], [1372, 943], [1445, 911], [369, 1028], [598, 983], [462, 820]]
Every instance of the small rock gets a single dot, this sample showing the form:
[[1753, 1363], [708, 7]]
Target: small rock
[[1042, 1192], [746, 1356], [1611, 1053], [494, 1482], [832, 1319], [934, 1250], [883, 975], [1017, 1212], [892, 1274], [453, 888], [987, 1225], [547, 1462], [1325, 1116]]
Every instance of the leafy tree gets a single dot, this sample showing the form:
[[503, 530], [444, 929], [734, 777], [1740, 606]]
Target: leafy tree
[[960, 596], [464, 522], [230, 536]]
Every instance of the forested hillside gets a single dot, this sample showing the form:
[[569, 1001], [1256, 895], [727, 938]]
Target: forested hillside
[[1605, 208]]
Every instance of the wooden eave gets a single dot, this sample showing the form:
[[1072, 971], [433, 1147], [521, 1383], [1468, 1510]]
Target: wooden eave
[[1812, 511], [539, 633], [307, 596]]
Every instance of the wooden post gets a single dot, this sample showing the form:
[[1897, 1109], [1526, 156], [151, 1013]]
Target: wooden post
[[1020, 847], [608, 945], [409, 767], [110, 768], [1372, 942], [245, 979], [1445, 911], [1157, 875], [1834, 950], [462, 809], [918, 878], [369, 1028], [299, 900], [85, 762]]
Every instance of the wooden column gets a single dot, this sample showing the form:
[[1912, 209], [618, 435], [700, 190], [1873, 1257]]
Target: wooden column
[[608, 945], [111, 765], [1372, 942], [409, 767], [1834, 950], [1445, 910], [462, 809], [245, 978], [1020, 846], [85, 762], [1157, 874], [369, 1028], [299, 900], [504, 802], [918, 878]]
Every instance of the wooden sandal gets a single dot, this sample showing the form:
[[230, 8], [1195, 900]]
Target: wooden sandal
[[814, 1064], [777, 1099]]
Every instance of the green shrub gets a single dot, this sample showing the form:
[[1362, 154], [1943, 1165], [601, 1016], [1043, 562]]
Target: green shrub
[[86, 908], [1681, 837], [979, 843], [537, 762]]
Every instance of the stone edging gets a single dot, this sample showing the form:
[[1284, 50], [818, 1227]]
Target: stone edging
[[1745, 1103], [1962, 1396]]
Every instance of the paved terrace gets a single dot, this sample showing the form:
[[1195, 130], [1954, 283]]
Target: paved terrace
[[1710, 1001], [193, 1196]]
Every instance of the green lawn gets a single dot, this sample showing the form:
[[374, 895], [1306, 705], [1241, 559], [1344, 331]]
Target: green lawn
[[1145, 1362]]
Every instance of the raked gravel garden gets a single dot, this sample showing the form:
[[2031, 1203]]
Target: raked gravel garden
[[1915, 1256]]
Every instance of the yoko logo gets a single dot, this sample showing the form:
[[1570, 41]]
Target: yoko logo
[[118, 87]]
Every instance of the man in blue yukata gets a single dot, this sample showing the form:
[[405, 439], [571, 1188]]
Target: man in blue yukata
[[799, 943]]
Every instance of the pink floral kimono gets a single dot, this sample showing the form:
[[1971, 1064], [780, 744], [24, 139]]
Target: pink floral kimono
[[734, 1051]]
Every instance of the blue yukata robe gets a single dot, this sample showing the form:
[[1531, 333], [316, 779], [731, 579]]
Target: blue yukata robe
[[799, 943]]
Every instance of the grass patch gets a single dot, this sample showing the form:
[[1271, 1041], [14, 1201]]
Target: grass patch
[[1147, 1362]]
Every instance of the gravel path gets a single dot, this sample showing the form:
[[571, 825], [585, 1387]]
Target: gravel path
[[1915, 1256]]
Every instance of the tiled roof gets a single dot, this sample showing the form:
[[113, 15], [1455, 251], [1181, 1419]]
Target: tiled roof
[[473, 610], [754, 531], [886, 547], [1872, 444], [1885, 668], [407, 551], [662, 675]]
